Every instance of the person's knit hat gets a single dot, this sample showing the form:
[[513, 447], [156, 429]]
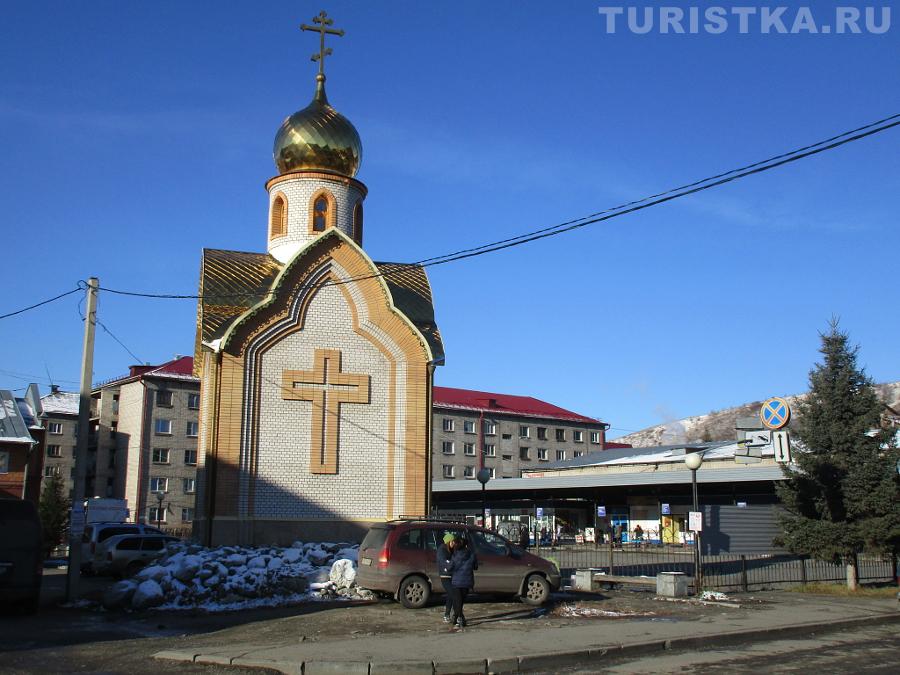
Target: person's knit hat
[[448, 537]]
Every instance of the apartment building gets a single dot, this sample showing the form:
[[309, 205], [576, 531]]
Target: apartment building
[[505, 434], [144, 430], [60, 420]]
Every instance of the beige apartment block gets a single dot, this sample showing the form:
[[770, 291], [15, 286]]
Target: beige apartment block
[[145, 427], [60, 419]]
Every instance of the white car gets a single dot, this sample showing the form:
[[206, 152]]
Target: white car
[[125, 554], [96, 533]]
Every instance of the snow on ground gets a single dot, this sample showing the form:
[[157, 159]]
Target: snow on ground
[[189, 576]]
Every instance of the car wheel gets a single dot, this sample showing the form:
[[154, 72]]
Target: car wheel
[[537, 590], [133, 568], [414, 592]]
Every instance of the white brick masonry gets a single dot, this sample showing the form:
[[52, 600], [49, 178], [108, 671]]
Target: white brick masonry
[[284, 487], [299, 192]]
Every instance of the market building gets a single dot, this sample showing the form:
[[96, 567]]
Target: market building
[[650, 487]]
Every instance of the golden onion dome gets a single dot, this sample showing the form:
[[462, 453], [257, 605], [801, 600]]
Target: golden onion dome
[[318, 138]]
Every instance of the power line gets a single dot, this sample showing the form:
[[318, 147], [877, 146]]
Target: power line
[[40, 304], [121, 344], [567, 226], [614, 212]]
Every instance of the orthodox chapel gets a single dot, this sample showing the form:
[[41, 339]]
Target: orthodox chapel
[[316, 363]]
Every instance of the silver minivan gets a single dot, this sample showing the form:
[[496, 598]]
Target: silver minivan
[[126, 554], [96, 533]]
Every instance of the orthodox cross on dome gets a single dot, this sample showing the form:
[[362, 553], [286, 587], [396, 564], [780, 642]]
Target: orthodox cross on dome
[[326, 387], [322, 22]]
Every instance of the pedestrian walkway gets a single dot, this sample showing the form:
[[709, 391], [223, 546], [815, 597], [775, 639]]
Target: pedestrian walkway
[[498, 647]]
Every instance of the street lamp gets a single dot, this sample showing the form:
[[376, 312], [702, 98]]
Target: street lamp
[[160, 496], [693, 461], [484, 475]]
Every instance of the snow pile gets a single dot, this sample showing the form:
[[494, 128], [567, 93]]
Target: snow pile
[[189, 576], [579, 611], [714, 596]]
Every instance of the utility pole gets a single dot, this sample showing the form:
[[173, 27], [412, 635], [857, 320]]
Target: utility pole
[[84, 421]]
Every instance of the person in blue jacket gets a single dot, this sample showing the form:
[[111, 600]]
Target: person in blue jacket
[[462, 566], [444, 552]]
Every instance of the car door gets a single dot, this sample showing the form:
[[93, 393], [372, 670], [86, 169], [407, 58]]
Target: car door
[[494, 573], [152, 547]]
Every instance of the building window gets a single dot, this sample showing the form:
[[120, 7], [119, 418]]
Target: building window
[[160, 455], [542, 454], [115, 404], [156, 515], [489, 428], [449, 424], [187, 515], [158, 484], [4, 461], [560, 455], [447, 447], [525, 454], [506, 437], [468, 472], [490, 450], [507, 458], [579, 453], [194, 401], [491, 470], [358, 222], [190, 485], [54, 451], [278, 224], [578, 435], [560, 434], [190, 457], [542, 433], [323, 208], [595, 437], [469, 449], [55, 428], [192, 429], [524, 432], [113, 428], [48, 470], [448, 471], [163, 427], [164, 398]]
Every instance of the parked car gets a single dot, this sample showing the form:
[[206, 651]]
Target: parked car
[[126, 554], [96, 533], [400, 558], [21, 555]]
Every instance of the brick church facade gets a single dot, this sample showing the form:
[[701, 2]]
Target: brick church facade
[[316, 363]]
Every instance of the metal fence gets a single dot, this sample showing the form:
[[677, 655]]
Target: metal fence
[[728, 572]]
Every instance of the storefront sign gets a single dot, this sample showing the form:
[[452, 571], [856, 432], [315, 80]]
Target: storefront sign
[[601, 512], [695, 521], [666, 510], [539, 512]]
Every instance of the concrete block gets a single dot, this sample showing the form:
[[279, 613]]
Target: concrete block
[[401, 668], [176, 655], [465, 667], [583, 580], [500, 666], [553, 660], [282, 666], [220, 659], [671, 585], [336, 668]]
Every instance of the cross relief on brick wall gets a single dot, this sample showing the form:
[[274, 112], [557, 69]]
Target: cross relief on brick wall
[[327, 388]]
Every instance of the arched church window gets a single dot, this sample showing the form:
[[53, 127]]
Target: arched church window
[[358, 222], [320, 214], [278, 225]]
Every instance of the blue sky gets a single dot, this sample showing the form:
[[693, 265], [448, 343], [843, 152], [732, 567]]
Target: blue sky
[[135, 134]]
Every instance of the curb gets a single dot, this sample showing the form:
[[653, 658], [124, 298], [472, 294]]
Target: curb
[[521, 664]]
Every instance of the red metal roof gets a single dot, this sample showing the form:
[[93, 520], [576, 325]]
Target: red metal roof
[[525, 406]]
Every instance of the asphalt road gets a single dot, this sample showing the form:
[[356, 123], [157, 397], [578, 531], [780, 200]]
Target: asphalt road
[[871, 650]]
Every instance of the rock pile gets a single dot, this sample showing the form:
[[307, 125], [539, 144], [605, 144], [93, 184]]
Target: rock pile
[[189, 576]]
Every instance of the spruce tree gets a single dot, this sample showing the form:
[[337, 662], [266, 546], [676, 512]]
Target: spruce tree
[[53, 510], [841, 498]]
